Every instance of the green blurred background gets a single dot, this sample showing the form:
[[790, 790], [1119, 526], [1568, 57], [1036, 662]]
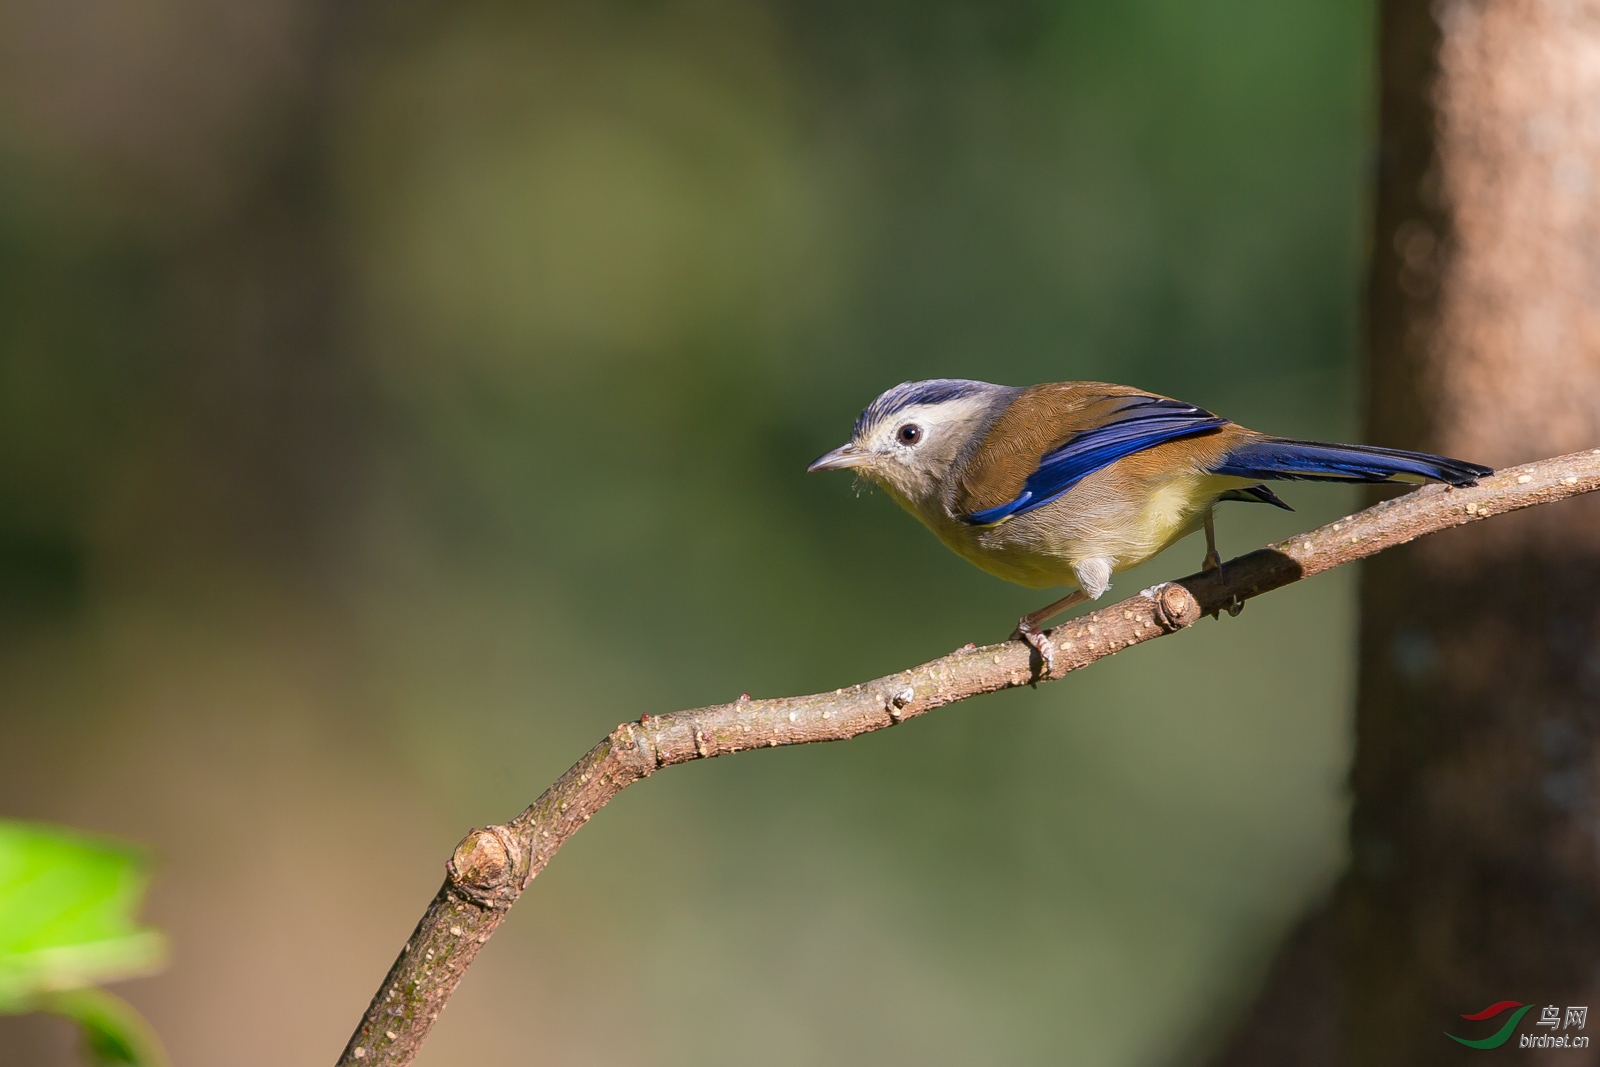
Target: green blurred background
[[395, 397]]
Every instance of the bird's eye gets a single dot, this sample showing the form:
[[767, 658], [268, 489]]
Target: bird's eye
[[909, 434]]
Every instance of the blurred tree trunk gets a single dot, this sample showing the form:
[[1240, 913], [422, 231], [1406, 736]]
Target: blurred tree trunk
[[1476, 816]]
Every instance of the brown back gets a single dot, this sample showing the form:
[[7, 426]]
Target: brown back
[[1043, 418]]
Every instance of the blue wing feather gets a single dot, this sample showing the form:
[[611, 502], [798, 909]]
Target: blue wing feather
[[1144, 422]]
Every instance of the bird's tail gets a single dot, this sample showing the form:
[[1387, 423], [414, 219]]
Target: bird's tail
[[1286, 459]]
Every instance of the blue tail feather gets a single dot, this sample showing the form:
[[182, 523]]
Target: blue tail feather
[[1283, 459]]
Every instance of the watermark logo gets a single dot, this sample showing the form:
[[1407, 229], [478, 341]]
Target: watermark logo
[[1551, 1016], [1500, 1036]]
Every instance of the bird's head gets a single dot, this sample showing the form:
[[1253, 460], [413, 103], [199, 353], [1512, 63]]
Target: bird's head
[[907, 439]]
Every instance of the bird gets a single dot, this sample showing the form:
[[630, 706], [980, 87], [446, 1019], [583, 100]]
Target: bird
[[1070, 483]]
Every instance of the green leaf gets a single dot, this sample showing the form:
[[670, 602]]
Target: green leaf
[[115, 1034], [67, 904]]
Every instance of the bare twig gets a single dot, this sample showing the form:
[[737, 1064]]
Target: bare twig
[[491, 867]]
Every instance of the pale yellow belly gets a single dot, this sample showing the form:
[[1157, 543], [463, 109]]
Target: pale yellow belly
[[1125, 524], [1171, 512]]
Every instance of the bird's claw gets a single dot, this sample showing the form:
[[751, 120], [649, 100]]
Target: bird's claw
[[1040, 642], [1233, 607]]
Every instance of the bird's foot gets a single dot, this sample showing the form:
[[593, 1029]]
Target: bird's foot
[[1212, 564], [1233, 607], [1029, 634]]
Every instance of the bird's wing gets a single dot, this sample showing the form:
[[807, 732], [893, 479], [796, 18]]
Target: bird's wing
[[1052, 437]]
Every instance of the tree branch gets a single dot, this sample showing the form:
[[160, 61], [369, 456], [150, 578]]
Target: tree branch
[[491, 867]]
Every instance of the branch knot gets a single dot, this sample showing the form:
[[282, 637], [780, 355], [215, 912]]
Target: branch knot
[[1175, 606], [486, 863]]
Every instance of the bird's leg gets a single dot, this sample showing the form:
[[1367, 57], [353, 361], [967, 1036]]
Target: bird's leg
[[1029, 630], [1213, 560], [1094, 578]]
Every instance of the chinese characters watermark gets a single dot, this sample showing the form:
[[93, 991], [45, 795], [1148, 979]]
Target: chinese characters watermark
[[1551, 1016]]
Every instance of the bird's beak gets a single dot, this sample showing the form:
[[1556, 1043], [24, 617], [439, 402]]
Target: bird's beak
[[839, 459]]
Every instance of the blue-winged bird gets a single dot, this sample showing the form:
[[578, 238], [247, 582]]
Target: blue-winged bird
[[1070, 482]]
